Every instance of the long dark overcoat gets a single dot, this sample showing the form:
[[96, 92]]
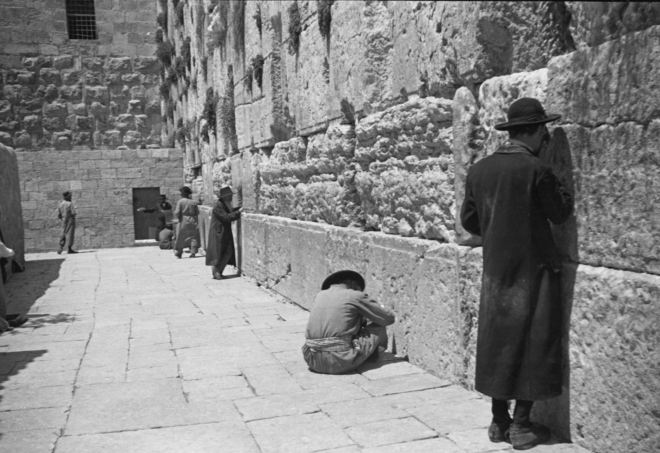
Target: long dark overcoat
[[510, 197], [221, 239]]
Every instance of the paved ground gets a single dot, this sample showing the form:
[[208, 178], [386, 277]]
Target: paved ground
[[131, 350]]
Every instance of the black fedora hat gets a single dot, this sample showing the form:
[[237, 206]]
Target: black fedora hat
[[526, 112], [340, 276], [185, 190]]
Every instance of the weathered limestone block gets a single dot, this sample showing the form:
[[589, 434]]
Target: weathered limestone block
[[63, 62], [618, 195], [71, 77], [5, 109], [615, 361], [48, 76], [55, 109], [34, 63], [118, 64], [594, 23], [96, 93], [611, 83], [22, 140], [410, 197], [11, 216], [146, 65], [467, 144], [333, 151], [72, 93], [495, 96], [6, 139], [419, 127]]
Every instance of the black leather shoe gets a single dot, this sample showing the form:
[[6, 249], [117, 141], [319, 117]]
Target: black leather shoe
[[526, 437], [499, 432], [71, 251]]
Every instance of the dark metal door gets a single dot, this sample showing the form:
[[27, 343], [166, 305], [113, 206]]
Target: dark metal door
[[145, 197]]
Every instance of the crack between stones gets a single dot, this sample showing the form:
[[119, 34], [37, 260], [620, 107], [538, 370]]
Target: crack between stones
[[75, 379]]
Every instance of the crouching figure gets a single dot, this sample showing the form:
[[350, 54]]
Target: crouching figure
[[345, 326]]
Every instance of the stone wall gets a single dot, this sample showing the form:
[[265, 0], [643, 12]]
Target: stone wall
[[374, 127], [11, 217], [610, 396], [101, 183], [57, 93]]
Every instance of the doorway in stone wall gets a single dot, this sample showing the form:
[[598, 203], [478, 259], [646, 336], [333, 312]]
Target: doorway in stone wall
[[145, 223]]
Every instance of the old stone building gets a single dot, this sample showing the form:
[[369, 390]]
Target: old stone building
[[348, 128], [81, 107]]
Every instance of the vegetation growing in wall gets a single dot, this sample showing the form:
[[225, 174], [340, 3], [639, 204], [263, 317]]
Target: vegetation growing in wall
[[161, 20], [165, 89], [204, 65], [159, 36], [325, 16], [247, 79], [170, 110], [295, 28], [238, 21], [257, 18], [171, 77], [165, 52], [185, 53], [163, 4], [180, 68], [218, 36], [227, 117], [258, 69], [178, 10], [210, 106]]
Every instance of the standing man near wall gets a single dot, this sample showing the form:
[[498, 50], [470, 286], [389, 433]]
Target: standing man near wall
[[66, 212], [221, 251], [510, 198]]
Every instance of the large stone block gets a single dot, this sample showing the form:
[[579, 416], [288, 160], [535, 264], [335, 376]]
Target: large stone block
[[611, 83], [614, 360], [11, 216]]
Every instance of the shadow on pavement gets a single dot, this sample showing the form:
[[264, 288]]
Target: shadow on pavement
[[11, 364], [24, 289]]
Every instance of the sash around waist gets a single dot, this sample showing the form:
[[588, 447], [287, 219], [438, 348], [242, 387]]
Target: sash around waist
[[340, 343]]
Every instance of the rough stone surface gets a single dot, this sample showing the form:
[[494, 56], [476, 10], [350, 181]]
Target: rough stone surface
[[434, 290], [101, 183], [11, 214], [111, 70]]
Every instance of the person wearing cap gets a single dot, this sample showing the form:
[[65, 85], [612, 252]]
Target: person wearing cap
[[165, 214], [66, 212], [511, 198], [187, 213], [345, 327], [221, 239]]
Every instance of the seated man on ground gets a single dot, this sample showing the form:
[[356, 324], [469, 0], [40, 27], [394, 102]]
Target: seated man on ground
[[345, 326]]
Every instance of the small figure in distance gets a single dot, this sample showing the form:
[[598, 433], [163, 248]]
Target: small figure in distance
[[66, 212], [187, 212], [511, 197], [346, 327], [221, 241], [165, 214]]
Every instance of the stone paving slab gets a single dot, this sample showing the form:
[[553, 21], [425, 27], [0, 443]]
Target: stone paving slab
[[132, 350]]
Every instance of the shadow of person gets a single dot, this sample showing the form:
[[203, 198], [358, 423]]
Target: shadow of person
[[555, 413], [24, 289]]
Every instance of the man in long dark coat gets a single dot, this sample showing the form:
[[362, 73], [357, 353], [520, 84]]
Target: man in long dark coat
[[510, 198], [221, 239], [66, 212]]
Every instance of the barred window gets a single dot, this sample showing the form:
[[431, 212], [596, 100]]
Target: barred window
[[81, 19]]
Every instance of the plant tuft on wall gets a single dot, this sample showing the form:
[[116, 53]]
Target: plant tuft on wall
[[210, 106], [178, 10], [161, 20], [325, 16], [295, 27], [204, 65], [185, 53], [165, 52], [159, 36], [257, 18], [180, 68], [238, 20], [165, 89], [218, 34], [227, 116], [258, 70], [247, 79]]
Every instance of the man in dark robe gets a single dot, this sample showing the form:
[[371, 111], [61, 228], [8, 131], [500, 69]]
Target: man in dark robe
[[66, 212], [165, 214], [345, 327], [510, 198], [221, 239]]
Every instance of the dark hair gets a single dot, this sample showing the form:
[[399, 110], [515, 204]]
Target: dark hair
[[524, 130]]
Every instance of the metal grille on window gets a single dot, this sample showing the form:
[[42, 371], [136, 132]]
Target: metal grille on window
[[81, 19]]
